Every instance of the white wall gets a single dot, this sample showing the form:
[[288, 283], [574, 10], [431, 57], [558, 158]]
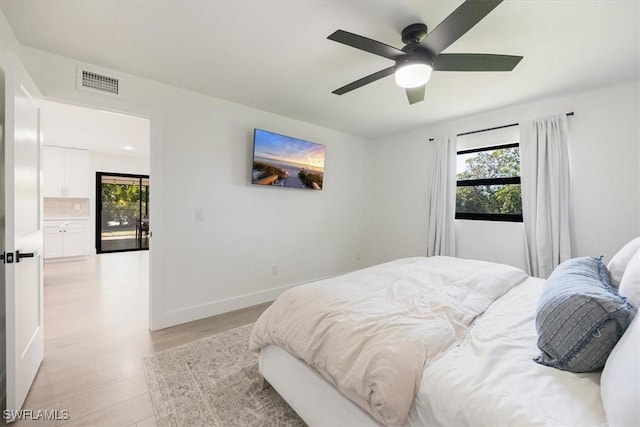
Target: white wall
[[397, 199], [373, 206], [103, 162], [604, 150], [8, 41], [200, 159]]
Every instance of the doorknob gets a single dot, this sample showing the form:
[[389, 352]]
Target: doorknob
[[19, 256]]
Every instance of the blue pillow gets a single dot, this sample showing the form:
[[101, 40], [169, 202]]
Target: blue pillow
[[580, 318]]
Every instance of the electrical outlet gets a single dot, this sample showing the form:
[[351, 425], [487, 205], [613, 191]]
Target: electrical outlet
[[274, 270], [199, 215]]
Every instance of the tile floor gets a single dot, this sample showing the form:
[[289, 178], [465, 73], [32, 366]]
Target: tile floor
[[96, 334]]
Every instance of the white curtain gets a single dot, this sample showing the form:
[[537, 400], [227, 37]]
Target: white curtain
[[442, 199], [544, 162]]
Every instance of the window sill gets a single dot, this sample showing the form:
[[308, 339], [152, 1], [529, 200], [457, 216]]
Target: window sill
[[490, 217]]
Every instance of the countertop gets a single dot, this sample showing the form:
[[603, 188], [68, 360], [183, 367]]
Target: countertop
[[66, 218]]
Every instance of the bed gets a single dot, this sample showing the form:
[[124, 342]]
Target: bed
[[481, 373]]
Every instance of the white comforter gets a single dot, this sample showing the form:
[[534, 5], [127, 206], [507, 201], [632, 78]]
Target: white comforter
[[372, 332], [490, 378]]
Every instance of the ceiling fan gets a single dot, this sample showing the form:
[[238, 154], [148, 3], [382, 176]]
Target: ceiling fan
[[422, 51]]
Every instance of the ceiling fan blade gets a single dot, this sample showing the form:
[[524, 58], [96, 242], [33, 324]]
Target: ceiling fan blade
[[475, 62], [459, 22], [415, 94], [364, 81], [366, 44]]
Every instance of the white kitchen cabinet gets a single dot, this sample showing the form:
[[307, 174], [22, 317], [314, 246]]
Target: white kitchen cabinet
[[76, 173], [66, 172], [53, 165], [65, 238], [52, 240], [74, 239]]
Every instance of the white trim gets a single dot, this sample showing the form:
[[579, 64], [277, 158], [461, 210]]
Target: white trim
[[213, 308], [65, 259]]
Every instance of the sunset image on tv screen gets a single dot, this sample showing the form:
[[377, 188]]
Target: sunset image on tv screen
[[286, 162]]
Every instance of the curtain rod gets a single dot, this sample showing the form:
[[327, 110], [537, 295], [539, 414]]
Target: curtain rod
[[495, 128]]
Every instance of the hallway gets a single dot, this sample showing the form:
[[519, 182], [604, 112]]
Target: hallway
[[96, 334]]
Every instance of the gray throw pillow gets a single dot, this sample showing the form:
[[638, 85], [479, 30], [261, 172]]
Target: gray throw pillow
[[580, 318]]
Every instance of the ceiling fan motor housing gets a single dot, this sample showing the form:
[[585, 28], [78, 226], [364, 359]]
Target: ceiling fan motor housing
[[416, 57], [414, 34]]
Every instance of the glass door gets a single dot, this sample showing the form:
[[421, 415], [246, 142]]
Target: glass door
[[122, 212]]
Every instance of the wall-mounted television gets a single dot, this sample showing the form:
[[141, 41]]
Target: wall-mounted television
[[285, 161]]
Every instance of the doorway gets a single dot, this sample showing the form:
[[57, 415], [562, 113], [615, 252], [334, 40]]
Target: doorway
[[122, 212]]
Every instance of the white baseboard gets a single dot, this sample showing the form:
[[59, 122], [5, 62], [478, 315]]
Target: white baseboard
[[65, 259], [201, 311]]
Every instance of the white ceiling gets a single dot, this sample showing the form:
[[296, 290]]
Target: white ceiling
[[274, 55], [65, 125]]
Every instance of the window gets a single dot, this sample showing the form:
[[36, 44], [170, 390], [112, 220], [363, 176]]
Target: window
[[489, 184]]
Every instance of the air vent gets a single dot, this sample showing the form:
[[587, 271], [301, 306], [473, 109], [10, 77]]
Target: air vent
[[99, 82]]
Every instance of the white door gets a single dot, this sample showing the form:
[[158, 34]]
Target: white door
[[23, 232]]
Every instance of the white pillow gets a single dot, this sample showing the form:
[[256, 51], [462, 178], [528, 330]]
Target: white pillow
[[620, 380], [619, 262], [630, 283]]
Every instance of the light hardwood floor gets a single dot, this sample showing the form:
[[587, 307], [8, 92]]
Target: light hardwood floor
[[96, 334]]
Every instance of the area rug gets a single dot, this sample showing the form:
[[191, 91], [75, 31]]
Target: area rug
[[214, 382]]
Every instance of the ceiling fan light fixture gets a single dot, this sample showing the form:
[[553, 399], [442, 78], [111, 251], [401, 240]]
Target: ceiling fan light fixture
[[413, 74]]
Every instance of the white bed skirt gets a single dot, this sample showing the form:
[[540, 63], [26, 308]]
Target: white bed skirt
[[314, 399]]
